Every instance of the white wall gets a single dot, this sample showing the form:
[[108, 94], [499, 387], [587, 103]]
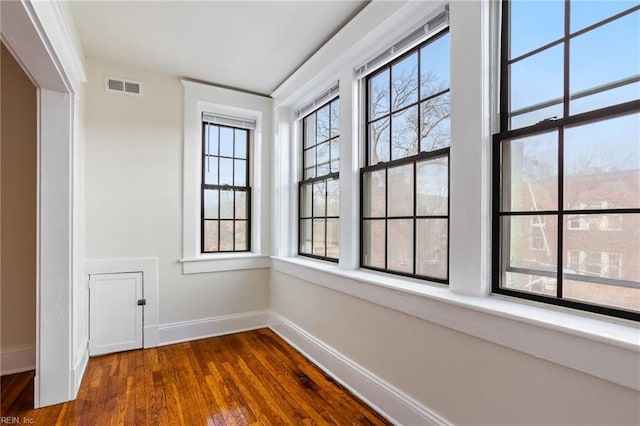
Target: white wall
[[133, 181], [462, 378]]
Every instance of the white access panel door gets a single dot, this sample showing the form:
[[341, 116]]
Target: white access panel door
[[115, 315]]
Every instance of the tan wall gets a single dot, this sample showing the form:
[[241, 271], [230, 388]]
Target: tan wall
[[18, 181]]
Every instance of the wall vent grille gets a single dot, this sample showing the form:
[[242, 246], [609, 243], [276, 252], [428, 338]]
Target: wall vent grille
[[125, 87]]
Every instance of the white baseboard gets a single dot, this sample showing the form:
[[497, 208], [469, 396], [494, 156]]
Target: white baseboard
[[17, 359], [211, 327], [390, 402], [79, 368]]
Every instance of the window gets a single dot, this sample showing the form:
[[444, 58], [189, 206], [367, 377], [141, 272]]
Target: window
[[226, 194], [319, 190], [568, 152], [404, 184], [538, 238]]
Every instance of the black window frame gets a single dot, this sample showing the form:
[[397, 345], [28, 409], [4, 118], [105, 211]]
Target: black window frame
[[311, 181], [506, 134], [235, 188], [413, 159]]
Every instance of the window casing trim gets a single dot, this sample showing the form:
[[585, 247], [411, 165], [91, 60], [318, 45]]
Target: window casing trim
[[200, 98]]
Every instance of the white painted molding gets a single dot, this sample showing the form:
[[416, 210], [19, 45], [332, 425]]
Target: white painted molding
[[80, 368], [212, 327], [17, 359], [573, 340], [387, 400], [199, 98], [149, 268], [221, 263]]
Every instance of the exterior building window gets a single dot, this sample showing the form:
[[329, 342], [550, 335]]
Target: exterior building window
[[568, 151], [538, 238], [405, 181], [226, 194], [319, 190]]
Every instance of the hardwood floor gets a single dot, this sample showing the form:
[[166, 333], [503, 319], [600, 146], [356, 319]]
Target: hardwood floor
[[247, 378]]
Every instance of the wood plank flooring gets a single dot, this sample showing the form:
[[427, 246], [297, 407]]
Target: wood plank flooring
[[246, 378]]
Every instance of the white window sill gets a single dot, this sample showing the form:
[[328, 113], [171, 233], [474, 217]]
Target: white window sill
[[224, 262], [603, 347]]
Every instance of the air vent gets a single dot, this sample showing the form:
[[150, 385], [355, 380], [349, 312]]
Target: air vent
[[125, 87]]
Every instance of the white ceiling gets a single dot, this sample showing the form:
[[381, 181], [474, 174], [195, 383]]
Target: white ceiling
[[249, 45]]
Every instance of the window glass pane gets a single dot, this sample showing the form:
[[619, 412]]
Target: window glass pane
[[310, 130], [335, 118], [598, 250], [333, 197], [534, 24], [602, 294], [319, 199], [374, 194], [305, 236], [226, 171], [211, 145], [226, 235], [241, 235], [530, 173], [435, 125], [602, 164], [240, 172], [335, 149], [226, 142], [211, 170], [323, 154], [305, 200], [210, 204], [374, 243], [210, 235], [323, 124], [435, 67], [241, 205], [319, 237], [404, 82], [404, 133], [400, 245], [241, 143], [310, 157], [400, 191], [226, 204], [530, 243], [333, 238], [379, 144], [586, 13], [379, 95], [537, 79], [432, 187], [431, 247], [323, 169], [616, 44], [310, 173], [530, 283], [528, 117]]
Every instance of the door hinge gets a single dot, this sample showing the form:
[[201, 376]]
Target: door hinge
[[142, 302]]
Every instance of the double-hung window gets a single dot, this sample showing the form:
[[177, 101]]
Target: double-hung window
[[405, 181], [567, 156], [319, 189], [225, 190]]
